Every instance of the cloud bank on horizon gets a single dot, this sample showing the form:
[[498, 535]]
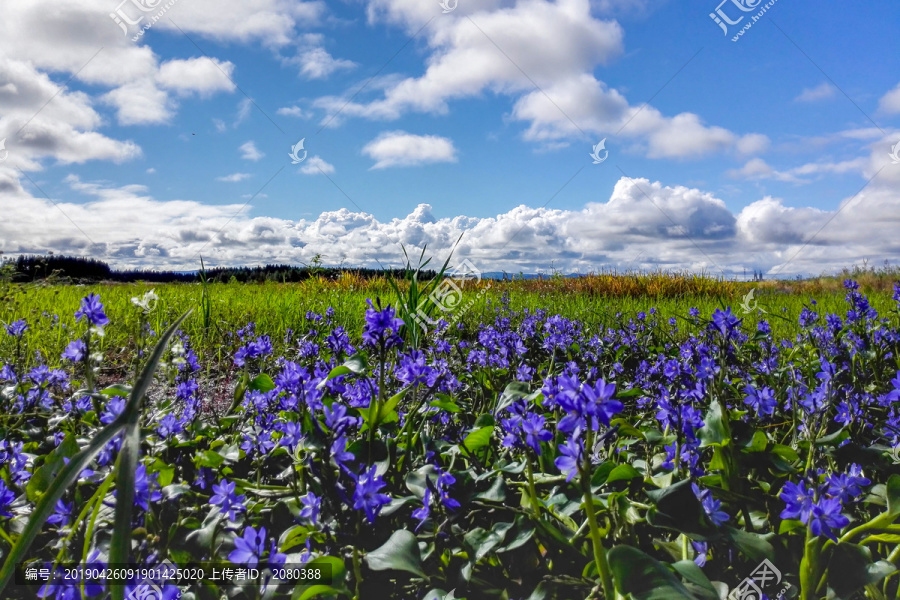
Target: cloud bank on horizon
[[146, 133]]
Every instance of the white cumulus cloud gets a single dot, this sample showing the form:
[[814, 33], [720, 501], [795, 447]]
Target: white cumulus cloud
[[234, 177], [401, 149], [316, 166], [249, 151]]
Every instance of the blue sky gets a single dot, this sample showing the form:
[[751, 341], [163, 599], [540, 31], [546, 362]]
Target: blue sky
[[771, 152]]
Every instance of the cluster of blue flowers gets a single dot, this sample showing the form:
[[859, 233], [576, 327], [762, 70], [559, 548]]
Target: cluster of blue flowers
[[326, 436]]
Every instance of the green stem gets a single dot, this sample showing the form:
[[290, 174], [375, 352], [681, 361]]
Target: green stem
[[407, 430], [6, 537], [357, 573], [596, 536], [375, 404], [808, 566], [532, 492]]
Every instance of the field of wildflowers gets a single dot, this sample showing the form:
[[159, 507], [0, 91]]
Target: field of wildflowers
[[521, 455]]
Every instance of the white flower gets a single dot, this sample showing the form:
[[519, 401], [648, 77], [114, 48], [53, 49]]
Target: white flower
[[147, 302]]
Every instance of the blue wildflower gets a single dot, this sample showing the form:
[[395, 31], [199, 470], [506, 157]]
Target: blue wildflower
[[62, 513], [312, 504], [533, 427], [572, 454], [826, 516], [381, 326], [366, 495], [6, 499], [710, 505], [249, 548], [725, 321], [113, 409], [798, 500], [847, 486], [226, 499], [143, 482], [92, 310], [762, 401], [17, 328]]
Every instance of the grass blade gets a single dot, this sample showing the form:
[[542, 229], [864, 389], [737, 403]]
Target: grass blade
[[126, 465]]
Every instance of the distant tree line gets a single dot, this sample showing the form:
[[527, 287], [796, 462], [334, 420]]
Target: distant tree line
[[83, 270]]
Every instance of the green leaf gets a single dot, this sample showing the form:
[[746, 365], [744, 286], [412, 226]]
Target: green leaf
[[478, 439], [677, 508], [118, 389], [416, 480], [788, 525], [210, 458], [293, 537], [696, 580], [166, 472], [713, 432], [833, 439], [644, 577], [445, 404], [631, 393], [355, 364], [304, 592], [851, 568], [484, 420], [785, 452], [753, 545], [541, 592], [602, 472], [893, 494], [483, 541], [387, 409], [399, 553], [758, 443], [54, 462], [513, 392], [440, 594], [203, 536], [174, 490], [627, 429], [523, 531], [231, 453], [262, 383], [623, 471], [883, 538], [497, 491], [397, 503]]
